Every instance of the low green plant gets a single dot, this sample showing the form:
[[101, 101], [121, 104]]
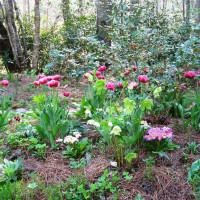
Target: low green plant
[[77, 164], [127, 176], [194, 176], [53, 118], [193, 147], [11, 171], [76, 148], [149, 163]]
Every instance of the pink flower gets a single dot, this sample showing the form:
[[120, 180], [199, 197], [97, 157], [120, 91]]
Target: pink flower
[[110, 86], [36, 83], [126, 73], [189, 74], [53, 83], [5, 83], [49, 78], [181, 88], [41, 76], [134, 68], [120, 85], [143, 78], [102, 68], [132, 85], [90, 72], [56, 77], [98, 73], [43, 81], [101, 77], [199, 83], [85, 75], [145, 70], [66, 94], [198, 72]]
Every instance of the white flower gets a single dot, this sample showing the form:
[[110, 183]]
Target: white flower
[[110, 124], [116, 130], [88, 113], [99, 109], [113, 163], [91, 122], [70, 139], [77, 134], [59, 140], [96, 124]]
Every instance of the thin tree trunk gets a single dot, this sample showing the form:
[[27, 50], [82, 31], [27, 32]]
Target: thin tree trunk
[[36, 44], [104, 11], [11, 32], [198, 10], [183, 3], [187, 11], [65, 8], [25, 60], [132, 4]]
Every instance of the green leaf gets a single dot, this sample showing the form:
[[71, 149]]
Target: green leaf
[[129, 157], [100, 86], [146, 104], [157, 92], [129, 105]]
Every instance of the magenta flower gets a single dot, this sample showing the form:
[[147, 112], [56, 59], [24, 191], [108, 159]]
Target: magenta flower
[[98, 73], [132, 85], [102, 68], [143, 78], [36, 83], [53, 83], [5, 83], [126, 73], [66, 94], [190, 74], [134, 68], [41, 76], [120, 85], [56, 77], [43, 81], [110, 86], [101, 77]]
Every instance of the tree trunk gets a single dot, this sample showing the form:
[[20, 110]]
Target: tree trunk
[[133, 3], [6, 49], [183, 3], [65, 9], [25, 57], [36, 44], [187, 11], [13, 34], [104, 11], [198, 11]]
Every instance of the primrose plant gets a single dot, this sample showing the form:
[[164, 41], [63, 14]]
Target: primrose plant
[[159, 140]]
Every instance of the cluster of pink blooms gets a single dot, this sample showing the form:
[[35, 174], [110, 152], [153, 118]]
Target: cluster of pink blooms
[[98, 73], [191, 74], [159, 134], [4, 83], [111, 86], [50, 81], [134, 68]]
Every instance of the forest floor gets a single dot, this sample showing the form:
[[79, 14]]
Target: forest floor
[[168, 179]]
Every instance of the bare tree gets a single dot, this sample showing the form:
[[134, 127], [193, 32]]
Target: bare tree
[[104, 11], [36, 44], [187, 11]]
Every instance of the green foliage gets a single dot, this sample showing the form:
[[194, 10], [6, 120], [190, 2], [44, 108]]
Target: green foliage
[[53, 118], [193, 148], [77, 164], [149, 164], [4, 113], [11, 171], [77, 149], [194, 176]]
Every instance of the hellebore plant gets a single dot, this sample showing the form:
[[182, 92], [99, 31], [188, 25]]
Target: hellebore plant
[[75, 148]]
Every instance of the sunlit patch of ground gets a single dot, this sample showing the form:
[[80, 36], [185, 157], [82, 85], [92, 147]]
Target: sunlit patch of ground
[[2, 68]]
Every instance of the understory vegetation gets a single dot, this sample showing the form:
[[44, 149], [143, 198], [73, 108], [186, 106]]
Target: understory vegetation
[[105, 121]]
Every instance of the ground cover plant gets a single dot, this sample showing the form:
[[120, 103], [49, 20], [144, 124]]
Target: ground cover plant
[[109, 114]]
